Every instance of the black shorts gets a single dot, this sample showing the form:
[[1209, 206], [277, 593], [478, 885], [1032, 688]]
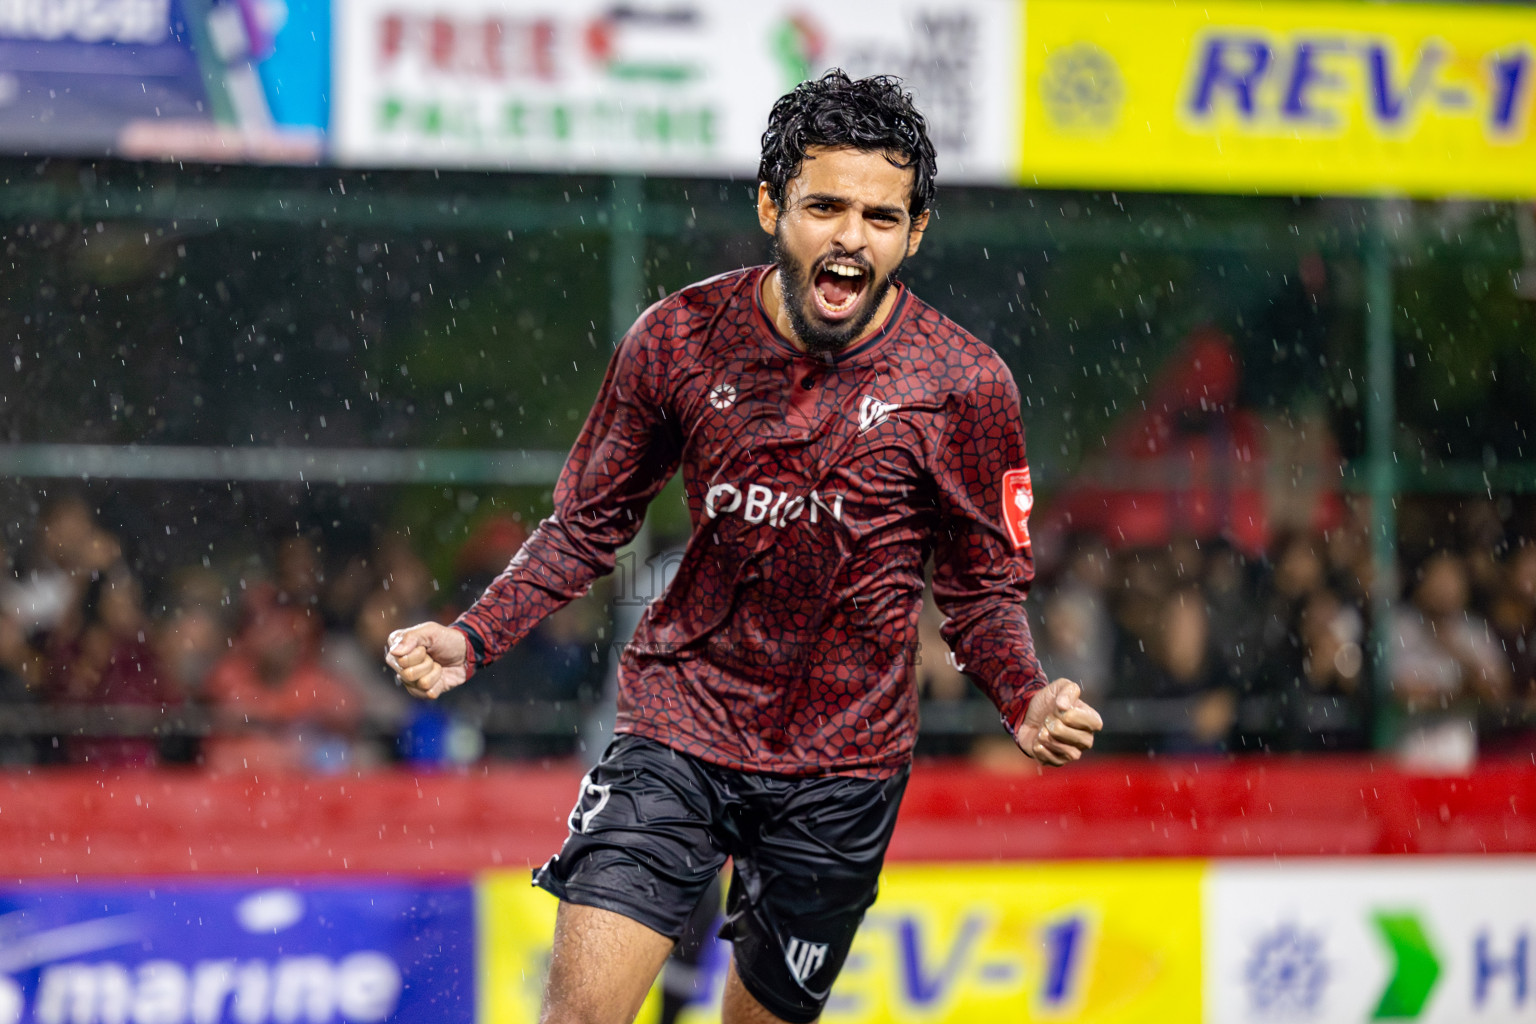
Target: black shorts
[[652, 827]]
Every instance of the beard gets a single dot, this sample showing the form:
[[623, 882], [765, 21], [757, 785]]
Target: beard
[[796, 281]]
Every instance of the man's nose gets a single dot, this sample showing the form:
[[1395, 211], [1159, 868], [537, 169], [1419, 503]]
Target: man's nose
[[851, 232]]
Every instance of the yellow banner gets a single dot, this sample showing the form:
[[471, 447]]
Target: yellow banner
[[1280, 97], [1064, 942], [516, 924], [1080, 942], [515, 929]]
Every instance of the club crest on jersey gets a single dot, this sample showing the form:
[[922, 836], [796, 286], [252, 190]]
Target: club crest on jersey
[[1018, 499], [873, 412], [804, 958], [722, 396]]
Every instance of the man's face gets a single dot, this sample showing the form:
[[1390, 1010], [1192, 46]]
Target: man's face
[[840, 236]]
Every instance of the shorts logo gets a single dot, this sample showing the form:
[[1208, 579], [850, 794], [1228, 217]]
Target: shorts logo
[[1018, 499], [804, 958], [580, 818], [758, 503], [873, 412], [722, 396]]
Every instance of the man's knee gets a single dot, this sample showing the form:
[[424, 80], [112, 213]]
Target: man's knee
[[601, 966], [741, 1006]]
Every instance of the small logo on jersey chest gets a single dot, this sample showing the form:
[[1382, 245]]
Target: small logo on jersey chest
[[873, 412], [722, 396], [1018, 500]]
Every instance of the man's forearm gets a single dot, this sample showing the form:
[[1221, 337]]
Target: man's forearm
[[996, 649], [541, 579]]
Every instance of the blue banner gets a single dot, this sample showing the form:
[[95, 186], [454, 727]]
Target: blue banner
[[205, 953], [212, 80]]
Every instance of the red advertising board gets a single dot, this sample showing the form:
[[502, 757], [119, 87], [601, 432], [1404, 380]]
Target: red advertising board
[[79, 822]]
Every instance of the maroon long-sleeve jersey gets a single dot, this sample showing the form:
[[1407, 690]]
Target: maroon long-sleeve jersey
[[817, 489]]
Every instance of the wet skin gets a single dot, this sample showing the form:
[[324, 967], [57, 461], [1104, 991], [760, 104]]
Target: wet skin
[[846, 206]]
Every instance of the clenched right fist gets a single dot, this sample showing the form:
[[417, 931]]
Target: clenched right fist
[[428, 658]]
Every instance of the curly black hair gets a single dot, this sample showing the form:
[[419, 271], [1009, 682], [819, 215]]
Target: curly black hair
[[872, 114]]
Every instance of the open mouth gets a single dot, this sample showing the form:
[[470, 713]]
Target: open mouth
[[838, 286]]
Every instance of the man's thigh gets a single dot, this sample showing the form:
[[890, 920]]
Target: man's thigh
[[807, 869], [643, 838], [602, 967]]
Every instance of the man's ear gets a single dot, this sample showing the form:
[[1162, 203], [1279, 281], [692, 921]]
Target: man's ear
[[767, 209], [915, 233]]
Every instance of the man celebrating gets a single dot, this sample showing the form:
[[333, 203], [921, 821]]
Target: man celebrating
[[834, 432]]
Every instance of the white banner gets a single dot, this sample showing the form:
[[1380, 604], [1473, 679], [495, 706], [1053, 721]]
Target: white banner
[[1419, 939], [670, 86]]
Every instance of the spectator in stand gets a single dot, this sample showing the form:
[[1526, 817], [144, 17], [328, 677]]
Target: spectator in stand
[[1297, 570], [398, 585], [1311, 642], [275, 708], [1233, 601], [1512, 613], [189, 635], [1482, 547], [1316, 679], [561, 665], [1076, 633], [100, 656], [299, 572], [1172, 668], [1444, 660], [1142, 580], [1348, 550], [69, 547], [345, 590], [402, 572], [18, 665], [193, 633], [384, 706]]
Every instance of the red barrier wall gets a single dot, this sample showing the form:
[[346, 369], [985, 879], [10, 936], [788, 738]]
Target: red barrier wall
[[77, 822]]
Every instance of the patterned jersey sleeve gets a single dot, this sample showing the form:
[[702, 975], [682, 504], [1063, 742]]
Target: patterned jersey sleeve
[[982, 562], [626, 451]]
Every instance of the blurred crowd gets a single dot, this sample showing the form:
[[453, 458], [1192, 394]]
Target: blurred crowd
[[1191, 647], [277, 666], [1200, 648]]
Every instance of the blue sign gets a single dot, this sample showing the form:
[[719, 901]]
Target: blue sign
[[224, 80], [207, 953]]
